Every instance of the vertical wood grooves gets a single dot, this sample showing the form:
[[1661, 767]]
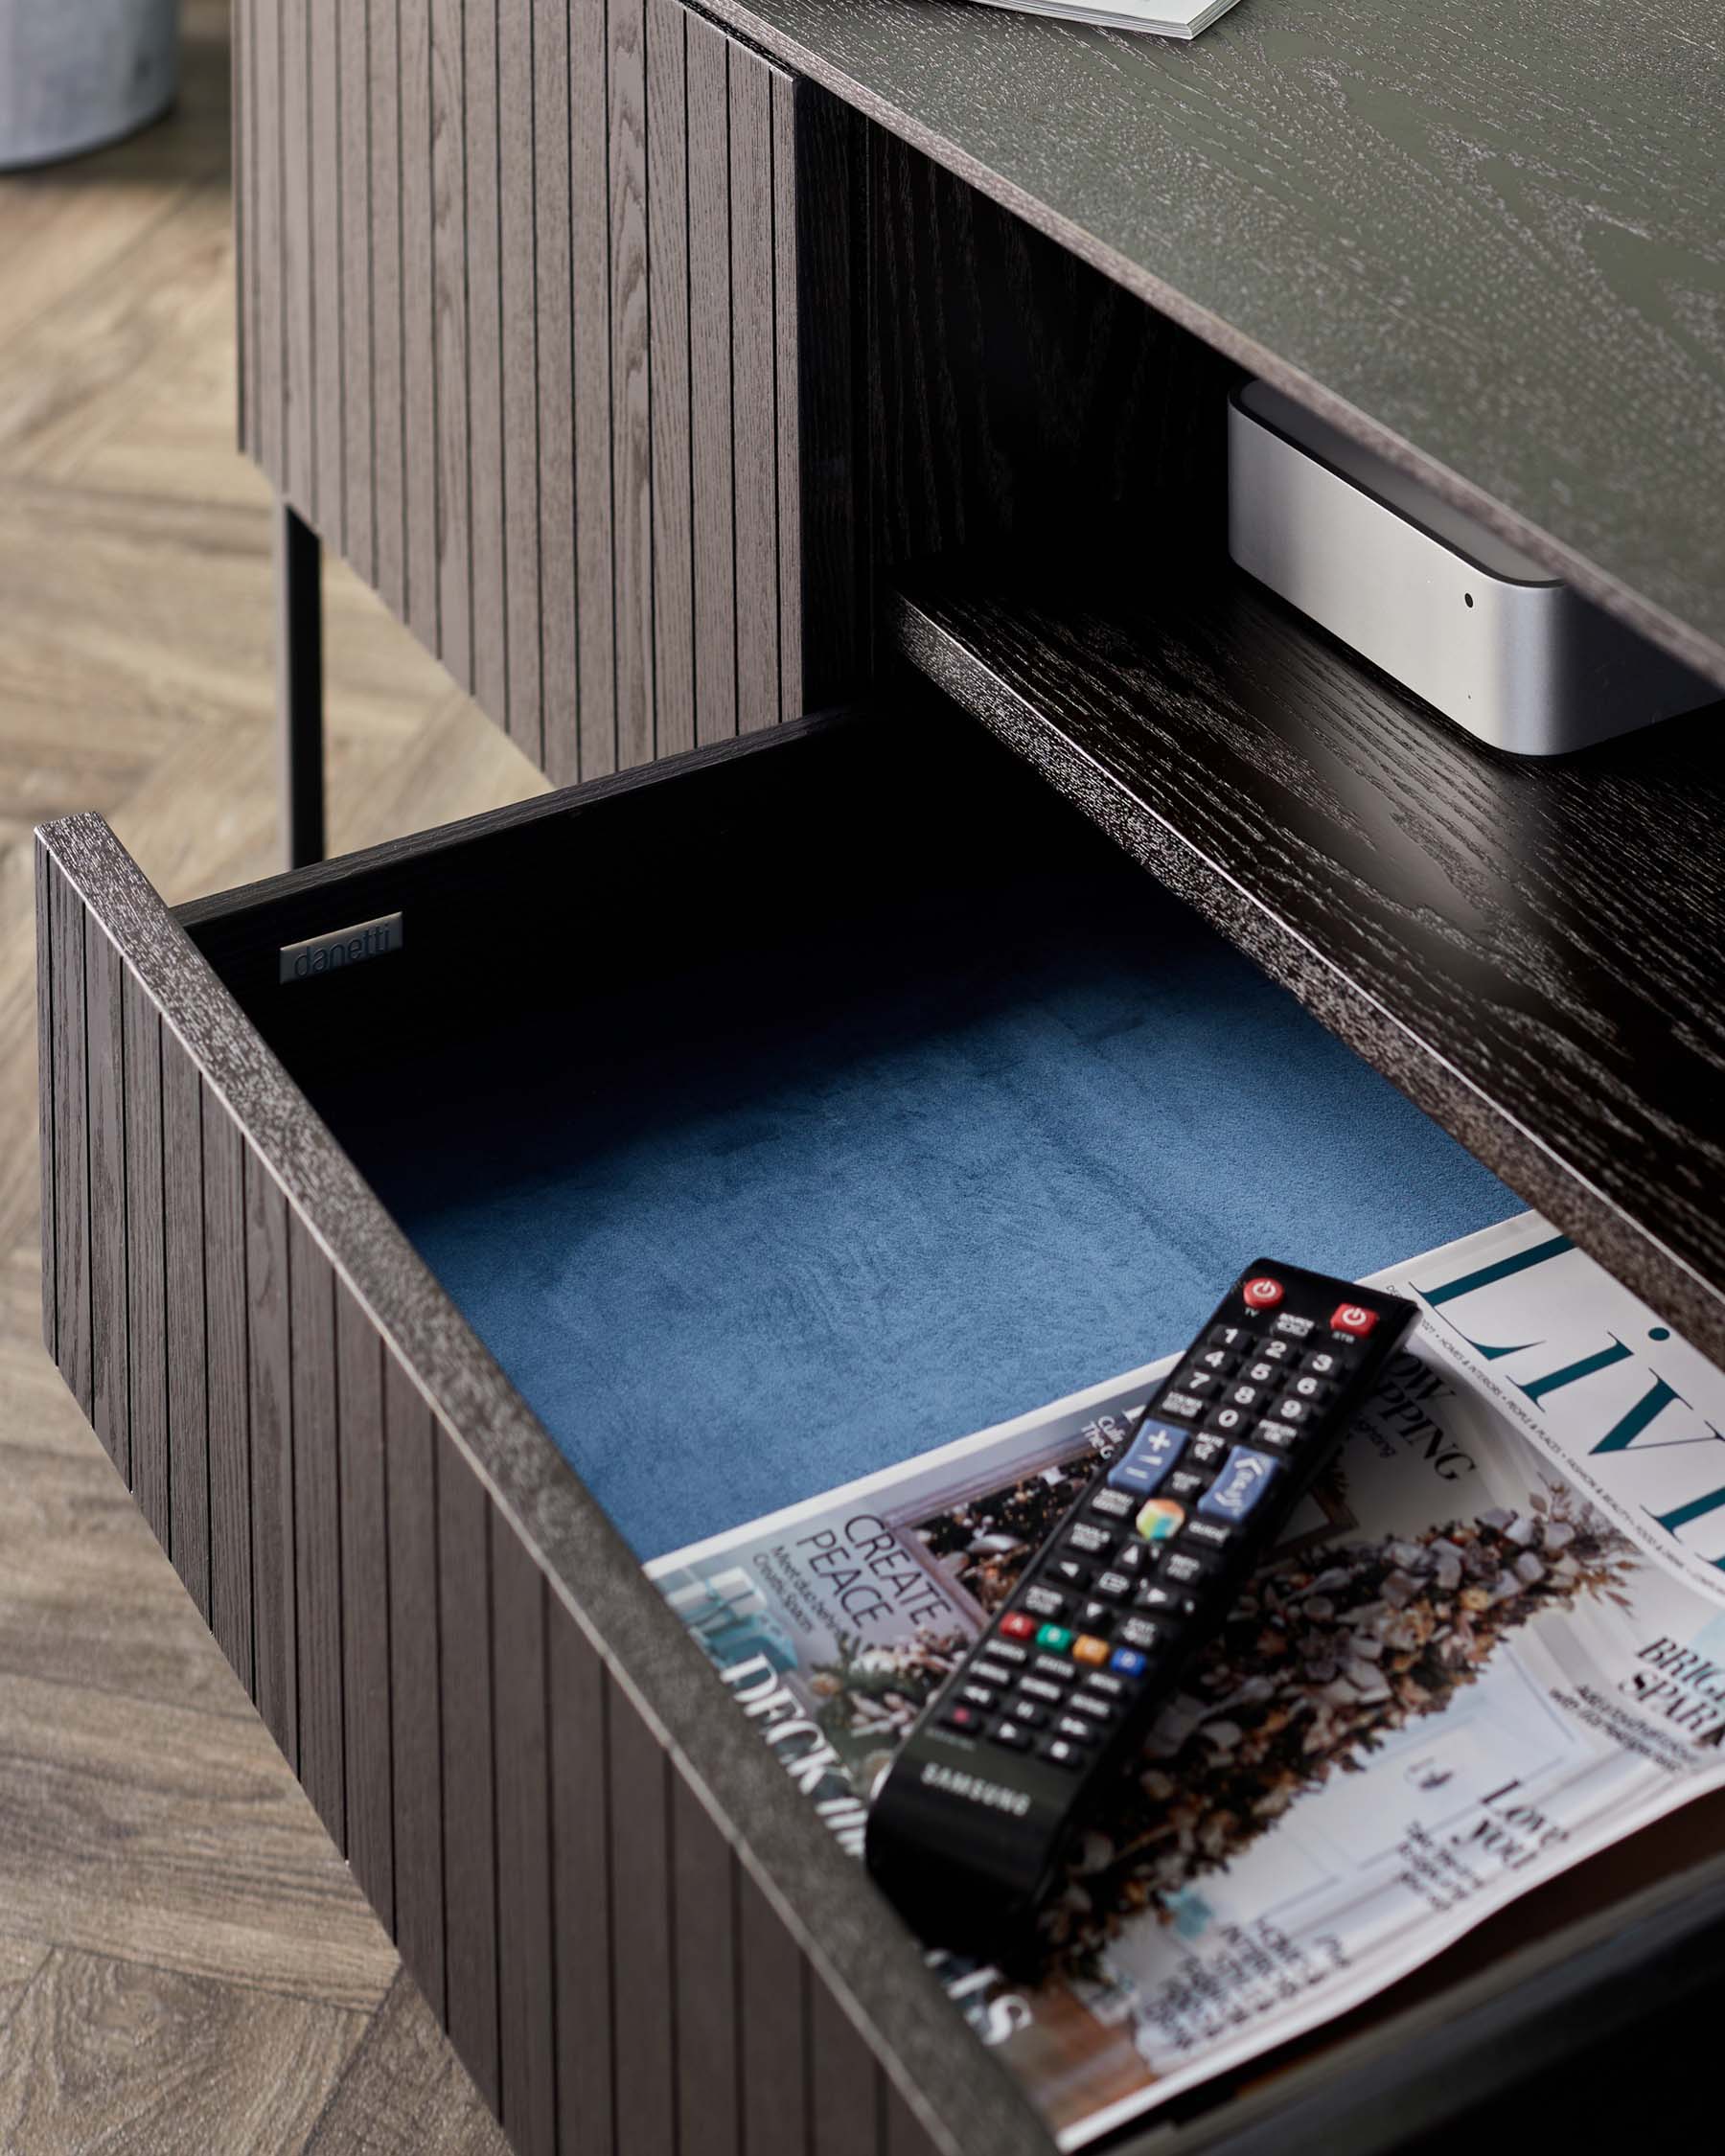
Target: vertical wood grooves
[[581, 1897], [671, 609], [319, 1656], [415, 1689], [484, 425], [299, 300], [642, 1986], [554, 403], [266, 110], [72, 1143], [227, 1381], [470, 1822], [325, 266], [526, 2003], [269, 1366], [358, 218], [105, 1066], [704, 1971], [368, 1748], [45, 957], [610, 1973], [146, 1261], [547, 324], [517, 167], [711, 481], [631, 415], [451, 537], [187, 1341], [421, 436]]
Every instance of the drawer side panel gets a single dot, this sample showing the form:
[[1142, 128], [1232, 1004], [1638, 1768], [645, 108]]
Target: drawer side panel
[[773, 2010], [367, 1752], [68, 1089], [531, 1787], [188, 1338], [106, 1078], [582, 1907], [269, 1368], [144, 1240], [317, 1543], [45, 874], [526, 1970], [227, 1383], [642, 1951], [470, 1816], [705, 1973], [415, 1700]]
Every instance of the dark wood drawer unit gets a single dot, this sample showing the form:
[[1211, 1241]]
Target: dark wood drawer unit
[[636, 1932], [545, 326]]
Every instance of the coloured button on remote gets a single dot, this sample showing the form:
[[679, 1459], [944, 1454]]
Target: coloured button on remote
[[1243, 1478], [1127, 1662], [1261, 1293], [1161, 1518], [1352, 1318], [1155, 1449], [1018, 1626], [1055, 1638], [1087, 1647]]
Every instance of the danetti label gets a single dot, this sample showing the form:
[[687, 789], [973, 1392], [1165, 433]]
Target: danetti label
[[353, 945]]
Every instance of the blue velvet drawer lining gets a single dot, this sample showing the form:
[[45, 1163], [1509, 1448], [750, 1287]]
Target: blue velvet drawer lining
[[742, 1235]]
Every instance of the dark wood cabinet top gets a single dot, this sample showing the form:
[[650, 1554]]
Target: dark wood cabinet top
[[1485, 235]]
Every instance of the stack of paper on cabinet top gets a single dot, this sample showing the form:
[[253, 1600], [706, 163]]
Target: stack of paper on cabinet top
[[1163, 18]]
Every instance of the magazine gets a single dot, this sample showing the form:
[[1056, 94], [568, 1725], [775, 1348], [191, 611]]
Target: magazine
[[1491, 1644], [1160, 18]]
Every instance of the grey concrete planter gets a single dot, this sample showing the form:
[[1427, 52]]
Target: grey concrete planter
[[78, 72]]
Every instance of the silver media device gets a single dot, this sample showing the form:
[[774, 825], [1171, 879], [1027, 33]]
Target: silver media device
[[1484, 634]]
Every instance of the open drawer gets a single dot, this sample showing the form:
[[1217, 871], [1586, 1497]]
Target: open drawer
[[694, 1141]]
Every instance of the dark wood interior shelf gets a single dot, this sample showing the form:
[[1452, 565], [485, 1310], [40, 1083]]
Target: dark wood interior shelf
[[1534, 952]]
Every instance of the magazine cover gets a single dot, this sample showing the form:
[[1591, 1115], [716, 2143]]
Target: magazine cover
[[1491, 1644]]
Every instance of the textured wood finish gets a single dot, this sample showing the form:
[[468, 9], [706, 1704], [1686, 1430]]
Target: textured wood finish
[[562, 1770], [368, 1797], [1324, 190], [1528, 949], [526, 1982], [550, 340], [190, 1363], [469, 1826], [318, 1570], [103, 2056], [673, 1846], [151, 1825], [410, 1450], [220, 1259], [144, 1223], [1017, 398], [403, 2094]]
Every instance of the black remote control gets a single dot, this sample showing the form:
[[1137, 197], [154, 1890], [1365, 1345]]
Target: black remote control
[[969, 1823]]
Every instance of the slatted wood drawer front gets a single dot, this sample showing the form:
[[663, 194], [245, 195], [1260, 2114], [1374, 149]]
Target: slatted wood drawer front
[[545, 319], [586, 1857]]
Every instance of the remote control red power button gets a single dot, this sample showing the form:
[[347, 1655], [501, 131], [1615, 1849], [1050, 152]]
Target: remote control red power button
[[1263, 1293], [1350, 1317]]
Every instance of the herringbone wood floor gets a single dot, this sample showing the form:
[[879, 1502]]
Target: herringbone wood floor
[[184, 1961]]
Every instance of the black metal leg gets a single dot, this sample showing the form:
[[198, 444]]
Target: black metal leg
[[299, 685]]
